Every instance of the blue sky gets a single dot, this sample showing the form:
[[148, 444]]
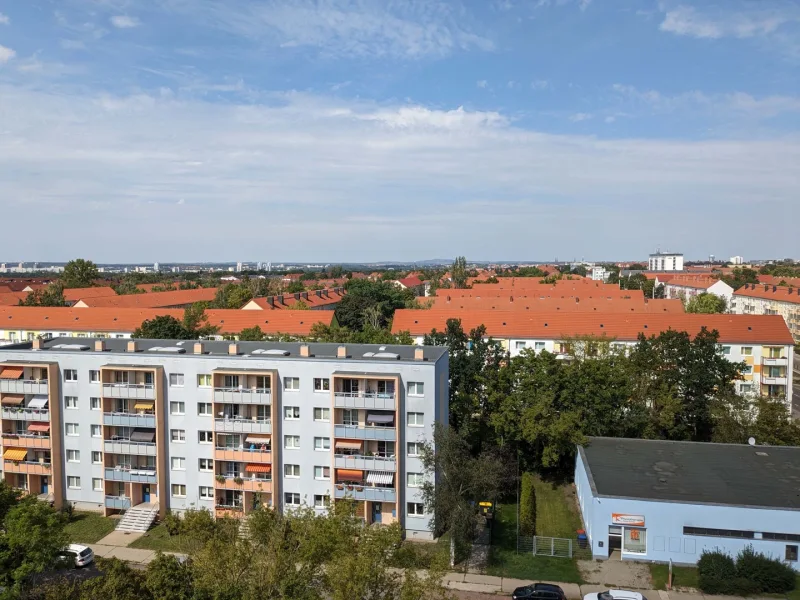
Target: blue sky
[[343, 130]]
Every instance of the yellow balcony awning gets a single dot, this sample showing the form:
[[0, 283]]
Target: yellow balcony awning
[[15, 454], [143, 406], [12, 400]]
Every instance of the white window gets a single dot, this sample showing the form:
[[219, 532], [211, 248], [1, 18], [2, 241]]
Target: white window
[[97, 484], [70, 375], [204, 380], [94, 376], [519, 345], [94, 403], [178, 463], [291, 499], [322, 385], [96, 431], [538, 346], [176, 379], [322, 472], [97, 458], [414, 448], [746, 388], [73, 456], [414, 479], [177, 408], [747, 351], [416, 388], [205, 437], [322, 444], [292, 471], [322, 414], [291, 413], [321, 501], [748, 369], [204, 409], [205, 493], [416, 419], [291, 442], [178, 436], [726, 350], [205, 464], [74, 483], [416, 509], [291, 384], [178, 491], [71, 428], [71, 402]]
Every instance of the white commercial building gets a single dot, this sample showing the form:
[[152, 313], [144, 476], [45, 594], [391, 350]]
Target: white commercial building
[[665, 261]]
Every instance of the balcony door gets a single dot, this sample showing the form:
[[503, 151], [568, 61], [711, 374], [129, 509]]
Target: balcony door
[[231, 381]]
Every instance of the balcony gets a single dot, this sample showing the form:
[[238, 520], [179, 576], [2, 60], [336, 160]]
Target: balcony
[[775, 362], [249, 484], [130, 447], [242, 426], [132, 475], [357, 492], [28, 467], [376, 400], [134, 391], [228, 510], [243, 395], [26, 414], [365, 463], [23, 386], [766, 380], [129, 419], [118, 502], [354, 432], [26, 440], [243, 455]]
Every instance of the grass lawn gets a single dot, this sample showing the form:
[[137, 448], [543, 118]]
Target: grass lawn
[[681, 576], [795, 593], [556, 513], [158, 539], [88, 527]]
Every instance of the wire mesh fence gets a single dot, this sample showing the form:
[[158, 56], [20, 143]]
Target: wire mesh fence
[[550, 546]]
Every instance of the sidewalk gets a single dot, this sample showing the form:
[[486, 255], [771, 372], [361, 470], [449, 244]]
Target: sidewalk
[[115, 545]]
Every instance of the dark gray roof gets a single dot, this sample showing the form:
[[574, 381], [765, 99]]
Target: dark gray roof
[[694, 472]]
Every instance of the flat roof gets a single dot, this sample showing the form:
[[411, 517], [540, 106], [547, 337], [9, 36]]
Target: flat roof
[[694, 472]]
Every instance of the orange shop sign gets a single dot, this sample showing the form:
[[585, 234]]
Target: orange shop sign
[[630, 520]]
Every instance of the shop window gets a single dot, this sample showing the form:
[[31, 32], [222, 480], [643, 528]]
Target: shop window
[[634, 541]]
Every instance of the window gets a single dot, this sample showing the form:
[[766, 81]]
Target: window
[[71, 402], [178, 436], [178, 491], [350, 417], [71, 428], [205, 437], [748, 369], [291, 384], [746, 388], [73, 456], [322, 385], [96, 431], [176, 379], [519, 345], [414, 448], [94, 403], [726, 350], [94, 376], [729, 533], [74, 483], [205, 493], [634, 540], [292, 471], [775, 352], [291, 442], [291, 413], [791, 553], [205, 464], [97, 458], [416, 419], [414, 479], [97, 484], [747, 351], [321, 501], [322, 444], [291, 499], [120, 377], [416, 388], [70, 375], [204, 380], [178, 463], [177, 408], [538, 346], [322, 472], [322, 414], [415, 509]]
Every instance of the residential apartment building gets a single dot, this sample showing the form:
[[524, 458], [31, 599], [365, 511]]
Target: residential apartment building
[[762, 342], [665, 261], [111, 424], [688, 286], [762, 299]]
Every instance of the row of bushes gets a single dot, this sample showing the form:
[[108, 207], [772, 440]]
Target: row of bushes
[[751, 573], [527, 506]]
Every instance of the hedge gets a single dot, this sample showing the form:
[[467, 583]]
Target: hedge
[[527, 506], [751, 573]]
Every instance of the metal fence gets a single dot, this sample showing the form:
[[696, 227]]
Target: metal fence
[[549, 546]]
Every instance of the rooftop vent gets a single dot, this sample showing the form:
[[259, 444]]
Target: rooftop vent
[[79, 347], [172, 349], [368, 354], [276, 352], [390, 355]]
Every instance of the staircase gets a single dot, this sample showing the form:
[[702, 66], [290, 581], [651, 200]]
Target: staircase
[[137, 519]]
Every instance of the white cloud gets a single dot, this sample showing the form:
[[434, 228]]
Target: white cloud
[[482, 83], [540, 84], [72, 45], [6, 54], [688, 21], [578, 117], [4, 20], [610, 119], [124, 22]]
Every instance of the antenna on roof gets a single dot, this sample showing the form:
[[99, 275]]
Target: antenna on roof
[[752, 441]]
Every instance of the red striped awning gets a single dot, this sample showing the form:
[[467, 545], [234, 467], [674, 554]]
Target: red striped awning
[[349, 475], [348, 445], [11, 372], [255, 468], [39, 427]]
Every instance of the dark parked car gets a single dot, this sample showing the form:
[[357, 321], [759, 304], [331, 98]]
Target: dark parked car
[[539, 591]]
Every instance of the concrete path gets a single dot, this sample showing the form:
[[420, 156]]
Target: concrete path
[[120, 538], [115, 545]]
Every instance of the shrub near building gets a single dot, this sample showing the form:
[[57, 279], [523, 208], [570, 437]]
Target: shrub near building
[[751, 573]]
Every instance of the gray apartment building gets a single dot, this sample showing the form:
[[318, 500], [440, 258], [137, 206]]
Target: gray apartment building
[[145, 426]]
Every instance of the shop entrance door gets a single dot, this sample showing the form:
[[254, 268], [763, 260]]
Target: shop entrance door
[[614, 541]]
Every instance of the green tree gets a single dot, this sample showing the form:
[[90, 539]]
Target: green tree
[[458, 272], [295, 287], [50, 295], [79, 273], [166, 578], [196, 321], [119, 581], [232, 296], [126, 286], [336, 271], [707, 304], [739, 276], [370, 303], [162, 327], [9, 498], [579, 270], [251, 334]]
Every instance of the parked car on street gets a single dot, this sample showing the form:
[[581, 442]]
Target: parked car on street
[[615, 595], [76, 555], [539, 591]]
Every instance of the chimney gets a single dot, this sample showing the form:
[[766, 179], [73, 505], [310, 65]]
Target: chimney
[[297, 295], [280, 299], [198, 347], [511, 298], [233, 349], [133, 346], [419, 353], [319, 293], [99, 346], [271, 300], [774, 288], [766, 288], [341, 352], [304, 350], [37, 344]]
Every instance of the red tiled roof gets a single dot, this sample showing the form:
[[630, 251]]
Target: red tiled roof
[[775, 280], [552, 304], [153, 299], [700, 282], [75, 294], [289, 300], [12, 298], [760, 329], [543, 291], [770, 292], [410, 282]]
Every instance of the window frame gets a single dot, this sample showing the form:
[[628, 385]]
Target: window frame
[[76, 479], [75, 453], [323, 469], [182, 463], [292, 495], [179, 486], [419, 479], [70, 402], [324, 385], [287, 380], [209, 435], [295, 438], [418, 448], [210, 412], [419, 389], [291, 471], [75, 429], [203, 377], [71, 375], [179, 380], [415, 423], [98, 428], [92, 403], [414, 513], [323, 410], [295, 413], [209, 469], [322, 441], [181, 438], [94, 376]]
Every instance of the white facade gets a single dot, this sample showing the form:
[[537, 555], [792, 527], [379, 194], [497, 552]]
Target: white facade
[[737, 260], [687, 291], [790, 311], [665, 261]]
